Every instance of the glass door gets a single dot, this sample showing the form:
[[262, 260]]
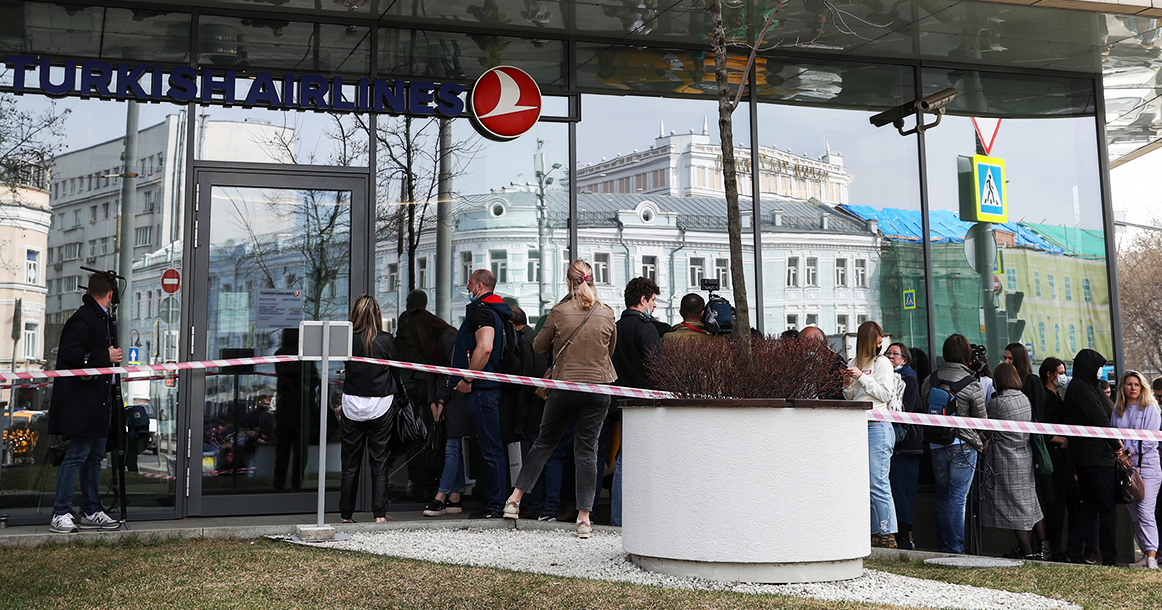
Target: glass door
[[273, 246]]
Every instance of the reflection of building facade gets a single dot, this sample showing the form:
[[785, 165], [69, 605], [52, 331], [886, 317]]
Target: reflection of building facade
[[688, 165], [819, 264], [24, 224]]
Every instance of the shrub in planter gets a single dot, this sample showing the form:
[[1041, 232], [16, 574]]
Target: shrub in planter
[[751, 367]]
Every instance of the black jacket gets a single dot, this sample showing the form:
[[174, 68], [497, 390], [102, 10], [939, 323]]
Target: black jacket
[[636, 339], [1086, 405], [365, 379], [81, 405], [913, 443], [456, 415], [531, 408]]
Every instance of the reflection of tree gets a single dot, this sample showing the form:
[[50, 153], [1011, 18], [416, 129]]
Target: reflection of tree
[[1139, 284]]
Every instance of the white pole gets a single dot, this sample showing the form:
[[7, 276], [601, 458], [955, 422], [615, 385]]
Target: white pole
[[323, 408]]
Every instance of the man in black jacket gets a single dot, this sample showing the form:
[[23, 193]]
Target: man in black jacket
[[637, 337], [82, 407], [1092, 460]]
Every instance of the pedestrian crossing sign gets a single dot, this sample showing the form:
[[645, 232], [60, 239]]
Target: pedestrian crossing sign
[[909, 299], [989, 196]]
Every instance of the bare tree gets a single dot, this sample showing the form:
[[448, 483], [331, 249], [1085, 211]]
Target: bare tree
[[1139, 283]]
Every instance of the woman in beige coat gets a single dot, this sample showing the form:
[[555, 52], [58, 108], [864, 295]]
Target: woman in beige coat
[[582, 332]]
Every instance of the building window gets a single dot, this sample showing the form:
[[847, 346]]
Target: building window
[[841, 272], [104, 246], [105, 210], [1068, 288], [1011, 274], [650, 267], [76, 218], [1041, 335], [860, 319], [92, 213], [498, 259], [722, 270], [1072, 339], [69, 284], [1089, 338], [92, 248], [466, 266], [534, 266], [1057, 338], [31, 267], [861, 273], [841, 324], [697, 271], [811, 273], [1037, 284], [792, 321], [1052, 287], [137, 306], [143, 236], [601, 268], [30, 345], [149, 304], [392, 277], [812, 319], [71, 251], [147, 202], [1085, 290], [792, 272], [422, 273]]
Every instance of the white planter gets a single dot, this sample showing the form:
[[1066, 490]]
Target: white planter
[[747, 493]]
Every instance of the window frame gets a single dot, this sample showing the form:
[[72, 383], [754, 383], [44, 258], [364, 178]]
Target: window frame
[[791, 280]]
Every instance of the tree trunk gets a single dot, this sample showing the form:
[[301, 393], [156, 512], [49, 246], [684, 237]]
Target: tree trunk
[[730, 176], [411, 206]]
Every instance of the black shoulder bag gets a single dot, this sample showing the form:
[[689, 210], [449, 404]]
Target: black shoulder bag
[[406, 428]]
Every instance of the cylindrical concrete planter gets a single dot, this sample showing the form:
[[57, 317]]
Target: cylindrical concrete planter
[[746, 490]]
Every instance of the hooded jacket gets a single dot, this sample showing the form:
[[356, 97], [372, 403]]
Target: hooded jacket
[[466, 338], [81, 406], [1086, 405]]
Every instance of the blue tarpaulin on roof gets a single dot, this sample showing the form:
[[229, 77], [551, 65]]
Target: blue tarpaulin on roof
[[945, 227]]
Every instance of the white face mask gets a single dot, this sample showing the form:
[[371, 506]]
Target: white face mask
[[1062, 380], [897, 367]]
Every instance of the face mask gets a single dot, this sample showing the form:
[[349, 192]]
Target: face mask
[[879, 349], [1062, 380], [1099, 372], [897, 367]]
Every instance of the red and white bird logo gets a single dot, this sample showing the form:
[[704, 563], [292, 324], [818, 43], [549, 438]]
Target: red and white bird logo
[[505, 102]]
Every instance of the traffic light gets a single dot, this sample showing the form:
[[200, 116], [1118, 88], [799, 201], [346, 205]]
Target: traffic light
[[1013, 302]]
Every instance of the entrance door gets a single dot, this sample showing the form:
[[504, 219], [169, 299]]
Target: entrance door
[[274, 245]]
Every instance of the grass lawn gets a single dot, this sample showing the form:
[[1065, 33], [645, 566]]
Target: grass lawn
[[227, 574]]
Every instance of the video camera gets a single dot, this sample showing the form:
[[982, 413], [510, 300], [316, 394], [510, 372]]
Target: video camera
[[718, 318]]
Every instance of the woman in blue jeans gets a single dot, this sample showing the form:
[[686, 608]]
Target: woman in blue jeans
[[872, 379], [954, 464]]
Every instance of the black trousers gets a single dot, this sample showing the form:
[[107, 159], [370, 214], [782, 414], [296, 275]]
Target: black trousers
[[370, 437], [1097, 502]]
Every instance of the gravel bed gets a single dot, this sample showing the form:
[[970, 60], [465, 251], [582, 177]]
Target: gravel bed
[[560, 553]]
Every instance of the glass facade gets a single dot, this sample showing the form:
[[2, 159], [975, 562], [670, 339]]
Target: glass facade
[[273, 216]]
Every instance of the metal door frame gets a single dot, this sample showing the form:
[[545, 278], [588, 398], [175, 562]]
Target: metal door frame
[[195, 266]]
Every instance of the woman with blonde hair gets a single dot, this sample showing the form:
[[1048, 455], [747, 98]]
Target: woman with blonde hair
[[1136, 409], [873, 379], [368, 390], [581, 331]]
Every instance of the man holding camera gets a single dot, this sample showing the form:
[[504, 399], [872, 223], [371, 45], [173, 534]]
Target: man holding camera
[[691, 309], [82, 407]]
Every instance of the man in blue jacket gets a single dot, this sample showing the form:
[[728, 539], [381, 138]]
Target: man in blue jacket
[[478, 348], [82, 407]]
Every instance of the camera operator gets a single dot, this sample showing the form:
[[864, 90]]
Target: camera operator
[[82, 407], [691, 309]]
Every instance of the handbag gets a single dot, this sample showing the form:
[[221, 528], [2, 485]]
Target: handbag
[[1136, 482], [543, 393], [1042, 463], [406, 428]]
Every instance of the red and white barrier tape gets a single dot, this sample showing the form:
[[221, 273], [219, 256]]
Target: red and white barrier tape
[[1006, 425], [144, 368]]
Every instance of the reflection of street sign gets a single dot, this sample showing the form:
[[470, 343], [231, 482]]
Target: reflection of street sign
[[989, 197], [170, 310], [974, 240], [996, 284], [171, 281], [999, 264], [134, 356], [909, 299]]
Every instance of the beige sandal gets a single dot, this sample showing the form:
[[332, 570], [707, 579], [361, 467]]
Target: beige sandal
[[511, 510]]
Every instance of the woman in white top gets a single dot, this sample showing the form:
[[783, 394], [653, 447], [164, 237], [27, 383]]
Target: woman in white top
[[872, 379]]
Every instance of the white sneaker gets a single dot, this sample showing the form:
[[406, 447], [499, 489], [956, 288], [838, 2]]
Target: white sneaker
[[1152, 563], [98, 520], [1141, 563], [62, 524]]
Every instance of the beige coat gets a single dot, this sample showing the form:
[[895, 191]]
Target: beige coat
[[588, 359]]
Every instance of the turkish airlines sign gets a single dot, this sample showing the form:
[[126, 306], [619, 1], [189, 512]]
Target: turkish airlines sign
[[505, 102]]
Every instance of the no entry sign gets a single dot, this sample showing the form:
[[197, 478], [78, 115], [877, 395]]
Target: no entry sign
[[171, 281]]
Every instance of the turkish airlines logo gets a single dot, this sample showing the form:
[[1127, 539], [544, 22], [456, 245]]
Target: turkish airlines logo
[[505, 102]]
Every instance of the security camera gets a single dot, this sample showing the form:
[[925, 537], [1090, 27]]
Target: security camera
[[932, 104]]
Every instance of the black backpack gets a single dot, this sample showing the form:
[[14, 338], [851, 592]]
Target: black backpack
[[942, 401], [511, 361]]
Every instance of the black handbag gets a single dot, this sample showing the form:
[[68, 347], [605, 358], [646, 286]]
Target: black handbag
[[407, 428], [1124, 491]]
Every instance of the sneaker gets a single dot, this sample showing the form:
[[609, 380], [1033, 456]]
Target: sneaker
[[485, 513], [62, 524], [1152, 563], [436, 508], [511, 510], [584, 530], [884, 541], [1141, 563], [454, 508], [547, 518], [98, 521]]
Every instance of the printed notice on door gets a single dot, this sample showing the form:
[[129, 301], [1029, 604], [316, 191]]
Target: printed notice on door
[[280, 308]]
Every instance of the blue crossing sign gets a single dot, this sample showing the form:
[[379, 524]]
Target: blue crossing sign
[[989, 195], [909, 299]]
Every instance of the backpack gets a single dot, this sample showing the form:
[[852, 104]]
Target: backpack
[[718, 317], [942, 401], [510, 362]]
